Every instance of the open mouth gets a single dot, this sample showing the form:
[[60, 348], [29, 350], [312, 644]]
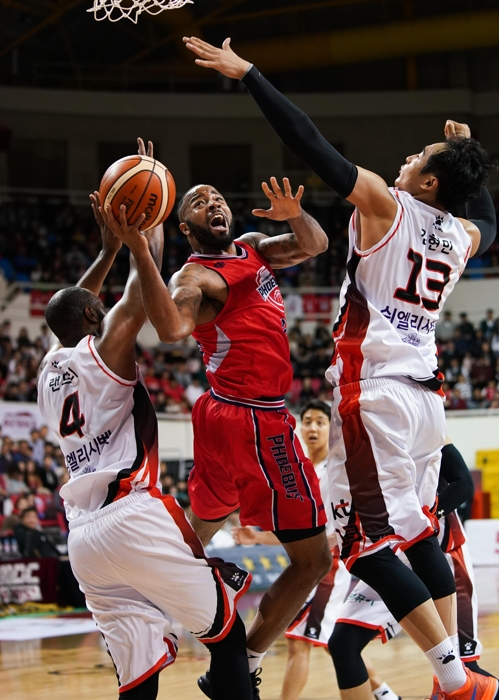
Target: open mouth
[[218, 223]]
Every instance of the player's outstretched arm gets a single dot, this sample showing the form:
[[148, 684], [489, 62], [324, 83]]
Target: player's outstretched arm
[[122, 324], [172, 311], [480, 222], [307, 239], [366, 190], [94, 277]]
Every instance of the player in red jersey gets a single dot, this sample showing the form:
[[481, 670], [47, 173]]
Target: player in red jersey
[[245, 451]]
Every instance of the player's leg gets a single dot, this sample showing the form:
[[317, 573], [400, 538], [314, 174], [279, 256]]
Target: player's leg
[[229, 676], [345, 646], [310, 560], [410, 603], [297, 666], [380, 689], [430, 564], [283, 495], [147, 690], [467, 608], [206, 529]]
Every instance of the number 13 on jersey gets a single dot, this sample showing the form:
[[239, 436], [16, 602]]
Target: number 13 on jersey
[[410, 293]]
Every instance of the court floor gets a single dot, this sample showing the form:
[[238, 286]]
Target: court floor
[[77, 666]]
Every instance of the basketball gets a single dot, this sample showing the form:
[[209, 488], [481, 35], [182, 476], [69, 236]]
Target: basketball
[[143, 185]]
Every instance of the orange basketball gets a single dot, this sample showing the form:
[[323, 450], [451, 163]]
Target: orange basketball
[[143, 185]]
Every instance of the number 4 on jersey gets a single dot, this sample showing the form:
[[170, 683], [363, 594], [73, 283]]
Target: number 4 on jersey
[[71, 419]]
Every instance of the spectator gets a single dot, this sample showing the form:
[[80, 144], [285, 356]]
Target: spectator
[[37, 446], [33, 543], [444, 330], [48, 475], [488, 325], [15, 480], [194, 391], [466, 327]]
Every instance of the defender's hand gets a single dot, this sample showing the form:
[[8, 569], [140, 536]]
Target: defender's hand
[[244, 535], [129, 235], [110, 244], [142, 148], [455, 130], [283, 205], [223, 60]]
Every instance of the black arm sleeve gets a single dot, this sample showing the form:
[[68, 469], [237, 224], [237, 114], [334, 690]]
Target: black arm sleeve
[[300, 135], [481, 212], [459, 488]]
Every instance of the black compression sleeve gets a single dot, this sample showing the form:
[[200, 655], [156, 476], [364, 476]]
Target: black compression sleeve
[[459, 482], [481, 212], [300, 135]]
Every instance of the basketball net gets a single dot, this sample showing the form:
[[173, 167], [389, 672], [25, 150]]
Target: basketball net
[[115, 10]]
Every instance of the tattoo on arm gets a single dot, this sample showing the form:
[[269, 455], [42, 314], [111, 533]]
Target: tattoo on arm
[[282, 250]]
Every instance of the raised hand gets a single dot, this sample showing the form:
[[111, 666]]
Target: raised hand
[[110, 243], [223, 60], [283, 205], [142, 148], [128, 234], [455, 130]]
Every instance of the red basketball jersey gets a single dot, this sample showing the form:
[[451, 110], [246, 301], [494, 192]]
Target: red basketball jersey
[[245, 349]]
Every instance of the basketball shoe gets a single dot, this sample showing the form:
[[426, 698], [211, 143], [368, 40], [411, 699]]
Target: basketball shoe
[[204, 684], [477, 687]]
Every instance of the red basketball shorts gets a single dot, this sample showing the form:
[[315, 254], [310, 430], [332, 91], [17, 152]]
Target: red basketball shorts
[[247, 456]]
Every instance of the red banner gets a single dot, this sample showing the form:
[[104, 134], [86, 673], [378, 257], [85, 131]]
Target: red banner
[[29, 581]]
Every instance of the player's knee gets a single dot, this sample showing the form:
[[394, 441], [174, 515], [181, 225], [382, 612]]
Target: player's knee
[[324, 561], [345, 646], [298, 648]]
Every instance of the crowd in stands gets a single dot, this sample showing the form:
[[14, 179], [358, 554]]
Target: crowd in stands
[[175, 376], [32, 518], [46, 240], [51, 240], [469, 359]]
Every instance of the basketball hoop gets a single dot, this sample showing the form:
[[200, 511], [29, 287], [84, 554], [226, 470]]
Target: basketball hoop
[[115, 10]]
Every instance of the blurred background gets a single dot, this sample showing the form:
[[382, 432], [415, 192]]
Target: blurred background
[[378, 77]]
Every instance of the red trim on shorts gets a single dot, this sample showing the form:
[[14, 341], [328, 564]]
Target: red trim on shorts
[[381, 630], [124, 382], [194, 543], [376, 546], [181, 522], [158, 666], [428, 532], [302, 638], [232, 618], [362, 474]]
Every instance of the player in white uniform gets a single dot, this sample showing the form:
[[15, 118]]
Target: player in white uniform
[[136, 557], [314, 623], [406, 253], [364, 616]]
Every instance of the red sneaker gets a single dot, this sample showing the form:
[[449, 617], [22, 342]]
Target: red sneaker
[[437, 690], [477, 687]]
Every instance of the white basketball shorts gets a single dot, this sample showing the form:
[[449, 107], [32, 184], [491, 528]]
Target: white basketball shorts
[[315, 621], [385, 442], [139, 563]]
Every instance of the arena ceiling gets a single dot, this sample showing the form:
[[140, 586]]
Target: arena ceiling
[[336, 45]]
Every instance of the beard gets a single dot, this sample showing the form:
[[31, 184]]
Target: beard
[[209, 240]]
